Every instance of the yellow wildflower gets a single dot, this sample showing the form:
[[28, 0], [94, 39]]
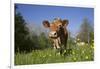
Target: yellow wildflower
[[86, 57]]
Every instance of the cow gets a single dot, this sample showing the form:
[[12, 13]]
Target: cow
[[58, 32]]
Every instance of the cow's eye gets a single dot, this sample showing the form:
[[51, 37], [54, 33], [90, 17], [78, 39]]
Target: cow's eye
[[59, 25]]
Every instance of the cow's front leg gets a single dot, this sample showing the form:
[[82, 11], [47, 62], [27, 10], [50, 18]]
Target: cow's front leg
[[59, 40], [57, 43], [54, 46]]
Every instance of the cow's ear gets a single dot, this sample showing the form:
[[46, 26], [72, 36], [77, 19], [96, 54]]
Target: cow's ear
[[65, 22], [46, 24]]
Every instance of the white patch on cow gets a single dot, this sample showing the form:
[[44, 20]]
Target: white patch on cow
[[57, 43], [54, 45], [52, 34], [59, 40]]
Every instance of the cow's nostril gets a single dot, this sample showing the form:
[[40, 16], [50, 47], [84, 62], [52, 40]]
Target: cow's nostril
[[59, 25], [55, 33]]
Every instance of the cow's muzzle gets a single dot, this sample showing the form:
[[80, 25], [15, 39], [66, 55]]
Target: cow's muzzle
[[53, 34]]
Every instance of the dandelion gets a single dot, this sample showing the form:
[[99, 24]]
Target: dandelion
[[74, 58], [86, 57], [80, 43], [44, 56], [64, 51], [58, 53], [90, 51], [73, 52], [75, 41], [49, 54], [78, 39], [83, 51]]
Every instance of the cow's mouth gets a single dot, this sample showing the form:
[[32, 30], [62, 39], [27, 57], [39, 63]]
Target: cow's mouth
[[54, 37]]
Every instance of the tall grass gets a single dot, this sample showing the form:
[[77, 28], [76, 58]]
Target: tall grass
[[77, 54]]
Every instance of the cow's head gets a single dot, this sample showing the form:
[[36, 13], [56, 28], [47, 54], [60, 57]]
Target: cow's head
[[57, 32], [55, 27]]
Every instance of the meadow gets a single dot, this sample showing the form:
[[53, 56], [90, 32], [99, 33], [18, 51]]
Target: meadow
[[32, 45], [78, 53]]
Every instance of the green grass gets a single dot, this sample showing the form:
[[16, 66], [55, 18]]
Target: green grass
[[77, 54]]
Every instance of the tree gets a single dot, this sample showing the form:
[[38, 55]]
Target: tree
[[21, 32], [34, 39], [43, 41], [71, 40], [86, 31]]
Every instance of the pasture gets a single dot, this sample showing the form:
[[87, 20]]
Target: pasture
[[35, 36], [76, 54]]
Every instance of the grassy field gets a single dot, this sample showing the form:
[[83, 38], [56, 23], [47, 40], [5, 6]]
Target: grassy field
[[78, 53]]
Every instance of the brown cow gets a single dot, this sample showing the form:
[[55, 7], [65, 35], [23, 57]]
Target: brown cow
[[58, 32]]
